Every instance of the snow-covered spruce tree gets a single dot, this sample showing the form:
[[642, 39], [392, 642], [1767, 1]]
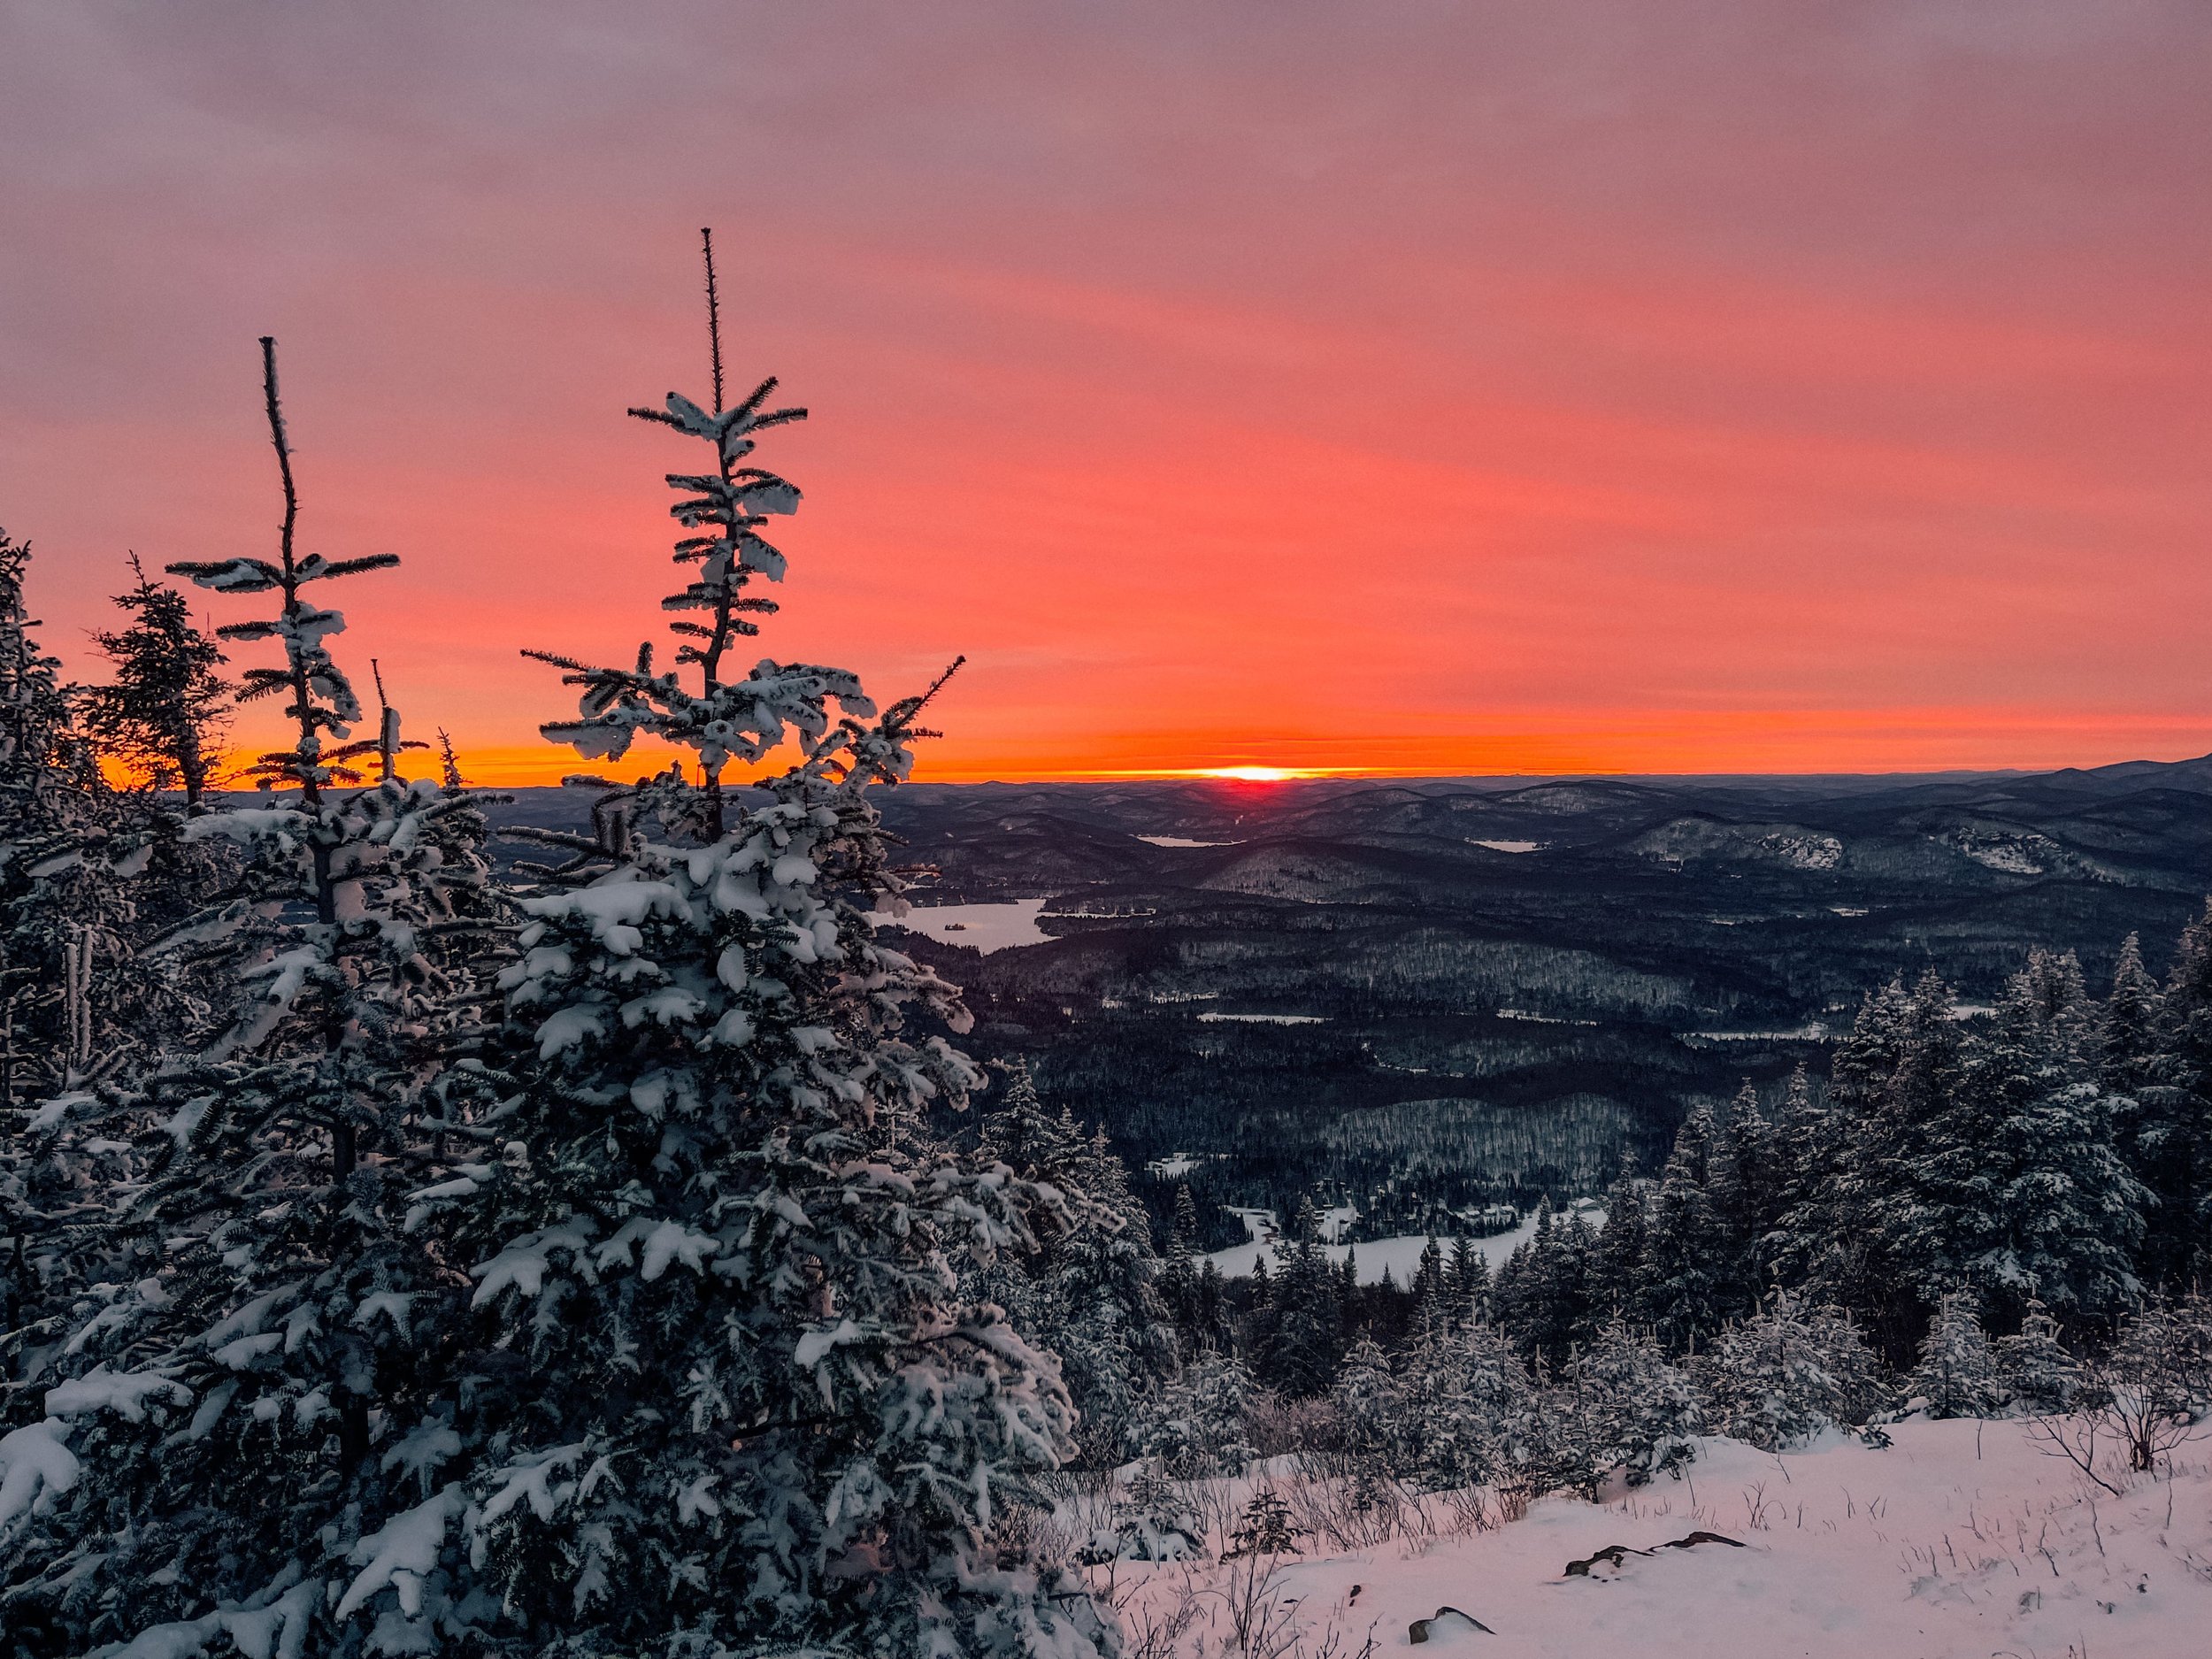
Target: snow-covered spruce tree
[[2013, 1186], [1696, 1272], [1470, 1280], [161, 720], [41, 835], [731, 1397], [1201, 1423], [1370, 1398], [1836, 1167], [1959, 1374], [1297, 1337], [1468, 1411], [1430, 1286], [1615, 1275], [1541, 1296], [1178, 1272], [164, 713], [2037, 1372], [238, 1422], [2169, 1131], [1632, 1409], [1782, 1376], [1088, 1292], [2125, 1028]]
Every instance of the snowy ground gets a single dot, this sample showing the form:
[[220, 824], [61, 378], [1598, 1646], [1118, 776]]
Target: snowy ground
[[984, 927], [1402, 1255], [1963, 1538]]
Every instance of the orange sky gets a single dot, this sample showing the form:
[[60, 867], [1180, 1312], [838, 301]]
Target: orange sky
[[1403, 387]]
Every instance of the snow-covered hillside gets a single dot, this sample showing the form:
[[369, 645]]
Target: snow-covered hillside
[[1961, 1539]]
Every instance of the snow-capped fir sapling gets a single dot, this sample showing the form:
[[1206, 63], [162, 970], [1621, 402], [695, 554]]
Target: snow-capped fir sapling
[[740, 1403], [247, 1410], [165, 711], [1959, 1375]]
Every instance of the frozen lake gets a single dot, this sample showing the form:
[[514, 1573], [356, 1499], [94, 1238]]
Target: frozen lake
[[984, 927]]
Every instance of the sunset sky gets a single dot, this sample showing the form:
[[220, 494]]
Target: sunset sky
[[1561, 386]]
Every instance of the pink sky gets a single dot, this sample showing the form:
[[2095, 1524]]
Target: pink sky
[[1557, 385]]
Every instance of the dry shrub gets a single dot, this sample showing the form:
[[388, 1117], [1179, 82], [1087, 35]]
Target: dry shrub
[[1305, 1427]]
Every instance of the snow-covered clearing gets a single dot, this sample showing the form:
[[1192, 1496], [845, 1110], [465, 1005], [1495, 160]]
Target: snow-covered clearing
[[1401, 1256], [1182, 840], [984, 927], [1506, 847], [1265, 1019], [1961, 1540]]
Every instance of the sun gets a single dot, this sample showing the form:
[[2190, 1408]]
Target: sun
[[1254, 774]]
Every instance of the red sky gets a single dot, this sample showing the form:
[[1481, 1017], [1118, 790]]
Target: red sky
[[1561, 385]]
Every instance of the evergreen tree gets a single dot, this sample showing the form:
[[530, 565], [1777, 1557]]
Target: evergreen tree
[[1156, 1521], [1761, 1179], [1632, 1410], [1264, 1528], [1430, 1289], [1370, 1398], [1300, 1341], [2168, 1130], [2127, 1032], [1468, 1411], [1212, 1324], [266, 1319], [1541, 1295], [1899, 1287], [1470, 1278], [1202, 1425], [2052, 986], [1838, 1152], [1787, 1372], [165, 712], [1179, 1274], [2034, 1367], [1087, 1288], [1693, 1275], [87, 874], [1959, 1374], [741, 1398], [2013, 1186], [1617, 1254]]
